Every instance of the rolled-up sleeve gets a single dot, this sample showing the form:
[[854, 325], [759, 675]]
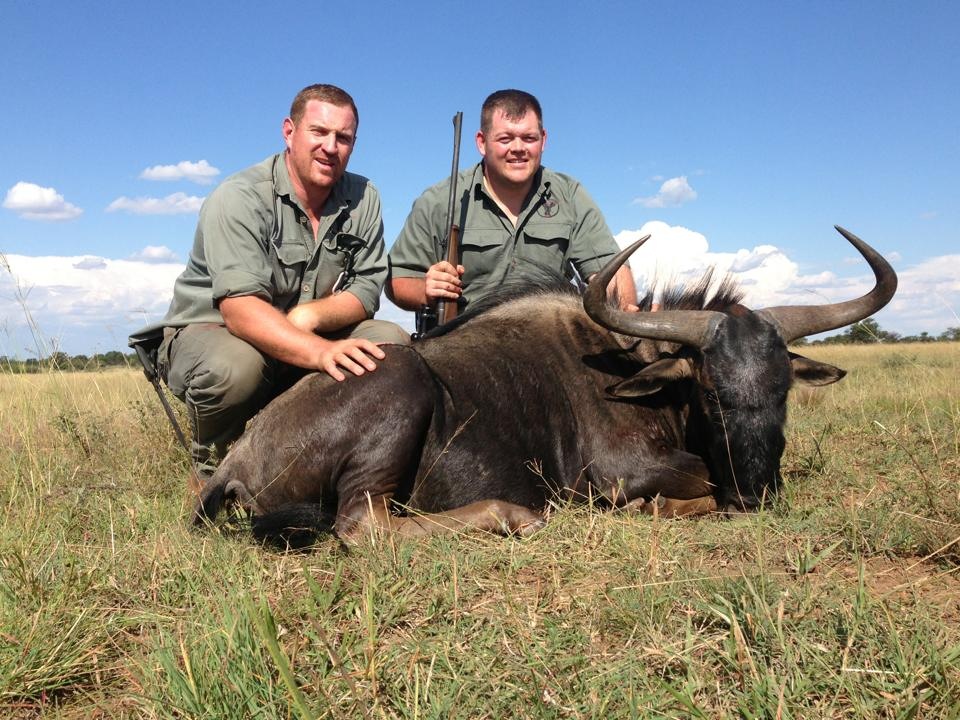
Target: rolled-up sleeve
[[233, 230], [370, 263], [591, 243], [414, 250]]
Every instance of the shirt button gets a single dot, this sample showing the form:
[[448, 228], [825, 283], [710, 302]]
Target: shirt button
[[306, 288], [303, 220]]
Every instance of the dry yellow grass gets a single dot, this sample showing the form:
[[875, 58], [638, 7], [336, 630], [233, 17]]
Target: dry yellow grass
[[840, 601]]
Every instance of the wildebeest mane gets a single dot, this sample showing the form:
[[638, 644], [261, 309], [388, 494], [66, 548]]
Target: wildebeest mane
[[697, 295], [509, 291], [701, 294]]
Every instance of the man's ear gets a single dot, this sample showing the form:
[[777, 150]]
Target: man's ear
[[813, 372], [652, 378], [481, 148]]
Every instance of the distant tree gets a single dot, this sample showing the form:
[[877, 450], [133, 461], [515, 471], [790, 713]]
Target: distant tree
[[59, 360], [950, 334], [112, 358], [865, 331]]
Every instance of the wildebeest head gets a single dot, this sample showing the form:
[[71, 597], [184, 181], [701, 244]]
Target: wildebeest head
[[739, 371]]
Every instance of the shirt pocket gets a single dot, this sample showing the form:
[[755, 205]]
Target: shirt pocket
[[288, 260], [338, 263], [481, 253], [546, 246]]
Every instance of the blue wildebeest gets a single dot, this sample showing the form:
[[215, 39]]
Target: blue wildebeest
[[543, 394]]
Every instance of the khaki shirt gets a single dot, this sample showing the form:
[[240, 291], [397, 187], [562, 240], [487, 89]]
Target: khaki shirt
[[558, 225], [254, 238]]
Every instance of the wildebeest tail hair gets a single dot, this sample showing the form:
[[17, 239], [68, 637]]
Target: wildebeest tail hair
[[210, 503]]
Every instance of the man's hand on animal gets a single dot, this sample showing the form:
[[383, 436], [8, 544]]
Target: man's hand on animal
[[294, 341], [353, 354]]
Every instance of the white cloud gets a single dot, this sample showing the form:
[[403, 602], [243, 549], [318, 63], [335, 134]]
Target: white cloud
[[928, 295], [90, 263], [34, 202], [673, 193], [200, 172], [85, 303], [392, 313], [80, 304], [155, 254], [177, 204]]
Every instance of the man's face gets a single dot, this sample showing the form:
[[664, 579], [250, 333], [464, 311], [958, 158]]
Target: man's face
[[512, 148], [320, 145]]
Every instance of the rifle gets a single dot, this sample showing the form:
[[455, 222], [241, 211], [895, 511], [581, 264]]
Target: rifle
[[448, 308], [428, 317]]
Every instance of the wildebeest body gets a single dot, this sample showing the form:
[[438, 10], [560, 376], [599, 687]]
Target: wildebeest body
[[546, 393], [500, 409]]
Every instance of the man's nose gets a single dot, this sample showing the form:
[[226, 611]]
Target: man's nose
[[329, 143]]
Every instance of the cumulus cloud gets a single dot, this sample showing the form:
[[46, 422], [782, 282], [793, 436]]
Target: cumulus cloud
[[392, 313], [155, 254], [200, 172], [927, 299], [673, 193], [34, 202], [90, 263], [80, 304], [177, 204], [86, 304]]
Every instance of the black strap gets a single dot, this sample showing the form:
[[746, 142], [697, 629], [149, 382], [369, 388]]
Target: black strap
[[147, 352]]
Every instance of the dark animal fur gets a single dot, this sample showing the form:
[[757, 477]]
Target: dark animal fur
[[510, 402]]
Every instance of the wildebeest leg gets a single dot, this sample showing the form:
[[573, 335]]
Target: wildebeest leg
[[485, 515], [672, 507]]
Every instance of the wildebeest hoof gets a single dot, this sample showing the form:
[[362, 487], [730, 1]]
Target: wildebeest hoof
[[529, 528], [672, 507]]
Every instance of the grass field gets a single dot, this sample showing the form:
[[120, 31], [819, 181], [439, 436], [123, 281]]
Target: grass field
[[840, 601]]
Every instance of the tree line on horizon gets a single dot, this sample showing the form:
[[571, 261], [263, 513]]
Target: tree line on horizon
[[869, 331], [862, 333]]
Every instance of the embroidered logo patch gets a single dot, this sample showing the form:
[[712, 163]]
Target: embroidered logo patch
[[548, 208]]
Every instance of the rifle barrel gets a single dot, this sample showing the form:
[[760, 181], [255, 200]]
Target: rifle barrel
[[447, 310]]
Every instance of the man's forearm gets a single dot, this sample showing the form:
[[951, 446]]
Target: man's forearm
[[253, 319], [409, 293], [625, 287], [328, 314]]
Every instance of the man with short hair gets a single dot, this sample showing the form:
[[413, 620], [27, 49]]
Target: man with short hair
[[285, 273], [518, 220]]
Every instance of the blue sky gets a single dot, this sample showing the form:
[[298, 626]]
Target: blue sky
[[739, 132]]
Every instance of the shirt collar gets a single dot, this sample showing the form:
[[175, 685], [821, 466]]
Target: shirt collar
[[283, 187], [540, 188]]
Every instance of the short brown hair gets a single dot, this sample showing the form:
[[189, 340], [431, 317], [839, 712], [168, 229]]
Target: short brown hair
[[513, 103], [324, 93]]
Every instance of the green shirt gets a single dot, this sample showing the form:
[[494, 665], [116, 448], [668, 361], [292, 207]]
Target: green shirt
[[559, 224], [254, 238]]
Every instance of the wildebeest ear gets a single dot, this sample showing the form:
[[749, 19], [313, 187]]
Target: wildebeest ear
[[652, 378], [811, 372]]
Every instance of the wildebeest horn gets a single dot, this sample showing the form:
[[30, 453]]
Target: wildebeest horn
[[797, 321], [688, 327]]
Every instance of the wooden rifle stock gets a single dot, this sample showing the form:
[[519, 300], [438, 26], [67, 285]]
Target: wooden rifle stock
[[447, 309]]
